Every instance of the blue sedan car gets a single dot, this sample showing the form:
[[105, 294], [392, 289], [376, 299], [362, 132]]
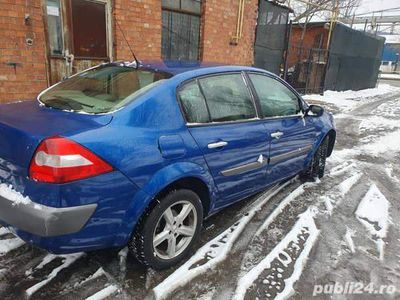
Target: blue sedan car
[[139, 154]]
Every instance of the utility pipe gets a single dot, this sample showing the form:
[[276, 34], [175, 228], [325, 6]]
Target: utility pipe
[[239, 23]]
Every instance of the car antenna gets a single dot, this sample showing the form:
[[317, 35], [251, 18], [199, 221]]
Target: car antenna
[[129, 46]]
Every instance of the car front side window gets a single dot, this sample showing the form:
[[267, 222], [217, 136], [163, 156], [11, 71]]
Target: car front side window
[[228, 98], [276, 99]]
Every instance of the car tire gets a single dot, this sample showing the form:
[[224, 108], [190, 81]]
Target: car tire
[[164, 235], [317, 166]]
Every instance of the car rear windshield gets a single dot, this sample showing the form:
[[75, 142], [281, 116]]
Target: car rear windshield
[[102, 89]]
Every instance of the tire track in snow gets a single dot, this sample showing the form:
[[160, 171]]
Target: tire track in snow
[[292, 250], [68, 260], [214, 252], [8, 244], [251, 261], [373, 213], [104, 293]]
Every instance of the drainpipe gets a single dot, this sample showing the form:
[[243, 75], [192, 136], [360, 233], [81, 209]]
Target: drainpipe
[[335, 14], [239, 23]]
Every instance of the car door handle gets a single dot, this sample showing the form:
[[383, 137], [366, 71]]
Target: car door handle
[[217, 145], [276, 135]]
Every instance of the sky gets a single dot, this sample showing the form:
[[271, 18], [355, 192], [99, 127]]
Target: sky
[[366, 8], [373, 5]]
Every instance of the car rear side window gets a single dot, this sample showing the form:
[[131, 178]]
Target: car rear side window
[[228, 98], [193, 103], [275, 98]]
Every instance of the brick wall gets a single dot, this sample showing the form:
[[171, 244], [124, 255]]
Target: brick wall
[[312, 33], [140, 20], [220, 18], [29, 76]]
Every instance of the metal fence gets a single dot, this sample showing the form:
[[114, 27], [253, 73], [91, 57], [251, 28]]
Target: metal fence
[[351, 63], [306, 70], [354, 59], [271, 36]]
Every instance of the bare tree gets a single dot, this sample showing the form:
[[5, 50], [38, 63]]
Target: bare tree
[[305, 10]]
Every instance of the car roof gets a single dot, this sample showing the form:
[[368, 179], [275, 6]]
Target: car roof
[[176, 67]]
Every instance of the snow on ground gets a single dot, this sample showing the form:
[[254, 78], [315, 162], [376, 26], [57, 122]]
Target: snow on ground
[[68, 260], [378, 123], [346, 185], [100, 272], [349, 239], [104, 293], [8, 245], [4, 231], [292, 196], [213, 253], [389, 169], [389, 76], [388, 142], [123, 254], [347, 100], [304, 224], [373, 213]]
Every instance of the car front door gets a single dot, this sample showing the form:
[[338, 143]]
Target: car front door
[[222, 119], [291, 135]]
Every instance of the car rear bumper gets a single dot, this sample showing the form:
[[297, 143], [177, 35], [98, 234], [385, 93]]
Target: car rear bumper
[[42, 220]]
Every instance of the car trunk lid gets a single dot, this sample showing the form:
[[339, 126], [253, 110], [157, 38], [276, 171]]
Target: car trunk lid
[[25, 124]]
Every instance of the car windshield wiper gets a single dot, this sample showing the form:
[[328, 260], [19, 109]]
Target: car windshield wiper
[[60, 103], [66, 102]]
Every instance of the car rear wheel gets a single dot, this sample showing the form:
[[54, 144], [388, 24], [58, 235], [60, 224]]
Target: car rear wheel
[[166, 234], [317, 167]]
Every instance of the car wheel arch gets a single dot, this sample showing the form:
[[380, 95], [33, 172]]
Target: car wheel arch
[[167, 179], [331, 134], [196, 185]]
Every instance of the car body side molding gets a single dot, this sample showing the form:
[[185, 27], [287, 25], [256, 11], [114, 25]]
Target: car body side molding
[[295, 153]]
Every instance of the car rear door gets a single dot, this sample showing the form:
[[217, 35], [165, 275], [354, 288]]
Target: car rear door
[[222, 118], [291, 136]]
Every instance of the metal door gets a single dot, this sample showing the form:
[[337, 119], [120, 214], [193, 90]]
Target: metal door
[[291, 141], [236, 155], [78, 36]]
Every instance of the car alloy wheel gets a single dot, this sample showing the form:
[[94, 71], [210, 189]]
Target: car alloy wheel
[[175, 230], [168, 230]]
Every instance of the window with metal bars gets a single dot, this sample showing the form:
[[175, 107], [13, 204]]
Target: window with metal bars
[[181, 21]]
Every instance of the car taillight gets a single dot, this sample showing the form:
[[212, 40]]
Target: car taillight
[[59, 160]]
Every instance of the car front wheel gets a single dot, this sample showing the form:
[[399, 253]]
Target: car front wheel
[[166, 234]]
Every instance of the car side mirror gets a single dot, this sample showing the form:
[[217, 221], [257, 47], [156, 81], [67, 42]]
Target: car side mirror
[[314, 111]]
